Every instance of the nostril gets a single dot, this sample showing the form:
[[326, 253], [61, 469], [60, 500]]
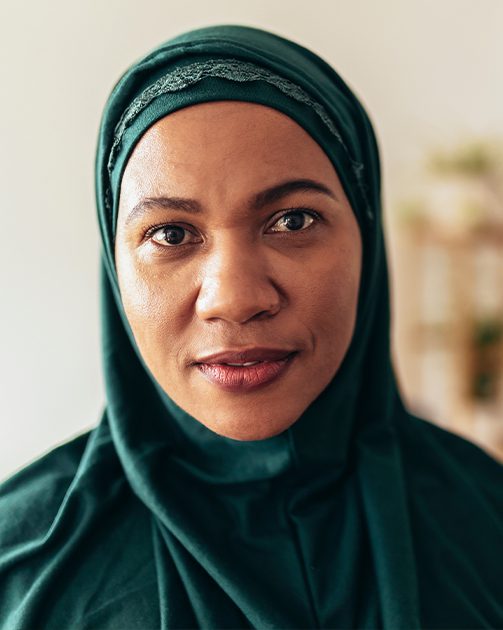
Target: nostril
[[237, 302], [267, 313]]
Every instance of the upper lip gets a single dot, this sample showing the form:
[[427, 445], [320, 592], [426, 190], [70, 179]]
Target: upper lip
[[246, 355]]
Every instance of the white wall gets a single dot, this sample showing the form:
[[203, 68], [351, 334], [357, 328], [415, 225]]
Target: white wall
[[428, 71]]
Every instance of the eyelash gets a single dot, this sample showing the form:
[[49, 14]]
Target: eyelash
[[152, 229]]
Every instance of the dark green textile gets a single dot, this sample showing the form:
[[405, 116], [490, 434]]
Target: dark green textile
[[358, 516]]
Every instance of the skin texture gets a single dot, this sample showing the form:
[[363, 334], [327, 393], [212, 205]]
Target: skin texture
[[241, 277]]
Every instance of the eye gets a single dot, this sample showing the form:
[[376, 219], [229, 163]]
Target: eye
[[294, 221], [170, 235]]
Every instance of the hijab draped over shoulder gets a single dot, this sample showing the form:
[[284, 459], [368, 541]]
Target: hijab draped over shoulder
[[357, 516]]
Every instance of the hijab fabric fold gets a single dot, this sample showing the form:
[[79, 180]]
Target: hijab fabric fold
[[357, 516]]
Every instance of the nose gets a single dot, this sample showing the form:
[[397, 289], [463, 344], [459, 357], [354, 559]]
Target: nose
[[235, 285]]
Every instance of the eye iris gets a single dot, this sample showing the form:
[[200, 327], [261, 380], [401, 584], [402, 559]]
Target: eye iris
[[294, 221], [174, 234]]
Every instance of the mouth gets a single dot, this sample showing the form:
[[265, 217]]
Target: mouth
[[245, 370]]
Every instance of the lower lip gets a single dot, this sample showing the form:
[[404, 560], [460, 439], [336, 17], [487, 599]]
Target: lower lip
[[243, 379]]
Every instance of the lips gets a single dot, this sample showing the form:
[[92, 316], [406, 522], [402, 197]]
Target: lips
[[246, 356], [244, 370]]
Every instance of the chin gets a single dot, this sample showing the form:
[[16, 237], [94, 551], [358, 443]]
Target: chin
[[244, 429]]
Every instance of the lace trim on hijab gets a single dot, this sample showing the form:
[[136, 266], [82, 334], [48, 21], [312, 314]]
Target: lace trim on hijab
[[232, 70]]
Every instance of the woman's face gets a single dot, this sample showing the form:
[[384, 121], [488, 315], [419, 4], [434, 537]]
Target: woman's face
[[235, 238]]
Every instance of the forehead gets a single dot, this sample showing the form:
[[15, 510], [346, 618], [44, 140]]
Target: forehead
[[232, 142]]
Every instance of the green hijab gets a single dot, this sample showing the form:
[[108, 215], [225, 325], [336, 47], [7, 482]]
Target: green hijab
[[358, 516]]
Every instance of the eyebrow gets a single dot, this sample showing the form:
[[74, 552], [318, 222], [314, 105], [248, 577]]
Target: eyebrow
[[258, 201]]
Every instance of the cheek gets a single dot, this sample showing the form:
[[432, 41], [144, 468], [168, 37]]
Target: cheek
[[330, 297], [156, 308]]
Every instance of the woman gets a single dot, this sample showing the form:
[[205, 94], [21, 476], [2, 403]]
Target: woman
[[254, 466]]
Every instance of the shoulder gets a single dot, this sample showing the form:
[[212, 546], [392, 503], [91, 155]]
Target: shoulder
[[66, 524], [454, 493], [442, 458], [30, 498]]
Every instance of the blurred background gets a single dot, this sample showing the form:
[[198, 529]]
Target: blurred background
[[431, 76]]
